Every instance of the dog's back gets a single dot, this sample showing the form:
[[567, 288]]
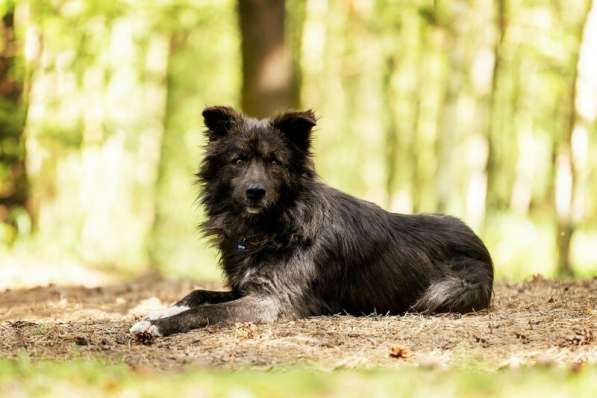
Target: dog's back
[[361, 259]]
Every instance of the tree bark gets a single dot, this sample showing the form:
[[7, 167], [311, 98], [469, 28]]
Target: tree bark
[[391, 127], [566, 178], [266, 61], [492, 199], [14, 187], [457, 60], [297, 12], [416, 184], [169, 140]]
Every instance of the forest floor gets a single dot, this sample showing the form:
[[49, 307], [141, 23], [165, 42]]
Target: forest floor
[[538, 321]]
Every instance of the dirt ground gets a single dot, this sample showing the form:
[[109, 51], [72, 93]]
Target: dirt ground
[[536, 322]]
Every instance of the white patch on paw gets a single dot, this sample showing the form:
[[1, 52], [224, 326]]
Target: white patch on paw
[[145, 327], [159, 314]]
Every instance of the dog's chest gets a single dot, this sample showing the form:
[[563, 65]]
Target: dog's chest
[[247, 275], [252, 262], [241, 266]]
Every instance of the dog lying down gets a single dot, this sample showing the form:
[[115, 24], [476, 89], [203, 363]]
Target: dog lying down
[[293, 247]]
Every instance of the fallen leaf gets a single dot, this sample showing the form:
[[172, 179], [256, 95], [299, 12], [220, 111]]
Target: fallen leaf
[[400, 352]]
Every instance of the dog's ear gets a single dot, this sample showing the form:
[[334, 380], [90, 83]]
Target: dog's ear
[[297, 126], [219, 120]]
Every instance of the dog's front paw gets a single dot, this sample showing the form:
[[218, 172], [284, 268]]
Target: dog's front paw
[[145, 331]]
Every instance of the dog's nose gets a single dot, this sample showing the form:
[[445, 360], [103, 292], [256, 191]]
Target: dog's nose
[[255, 193]]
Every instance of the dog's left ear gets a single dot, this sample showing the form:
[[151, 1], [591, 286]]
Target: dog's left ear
[[297, 127]]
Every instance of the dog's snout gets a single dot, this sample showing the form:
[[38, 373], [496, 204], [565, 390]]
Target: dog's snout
[[255, 193]]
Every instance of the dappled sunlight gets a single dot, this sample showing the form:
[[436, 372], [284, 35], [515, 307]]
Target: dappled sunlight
[[24, 270], [525, 172], [528, 252], [423, 107], [585, 254]]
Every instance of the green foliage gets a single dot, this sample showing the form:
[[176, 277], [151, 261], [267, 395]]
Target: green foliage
[[98, 378], [419, 105]]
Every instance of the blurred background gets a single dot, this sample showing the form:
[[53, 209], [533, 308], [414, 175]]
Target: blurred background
[[482, 109]]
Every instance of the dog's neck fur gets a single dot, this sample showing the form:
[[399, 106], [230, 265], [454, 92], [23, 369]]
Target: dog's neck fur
[[276, 232]]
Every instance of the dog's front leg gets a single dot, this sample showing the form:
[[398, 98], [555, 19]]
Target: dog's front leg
[[257, 309], [191, 300], [200, 297]]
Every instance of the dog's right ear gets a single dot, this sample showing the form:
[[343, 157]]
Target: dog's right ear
[[219, 120]]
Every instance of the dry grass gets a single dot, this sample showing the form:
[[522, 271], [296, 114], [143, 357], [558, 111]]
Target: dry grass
[[538, 321]]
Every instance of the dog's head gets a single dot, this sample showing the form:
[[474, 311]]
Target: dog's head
[[251, 166]]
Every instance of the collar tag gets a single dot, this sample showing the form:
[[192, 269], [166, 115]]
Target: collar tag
[[241, 245]]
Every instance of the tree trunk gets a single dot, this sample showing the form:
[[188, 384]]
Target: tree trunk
[[491, 167], [449, 127], [297, 11], [162, 221], [566, 179], [267, 67], [391, 127], [14, 185], [416, 183]]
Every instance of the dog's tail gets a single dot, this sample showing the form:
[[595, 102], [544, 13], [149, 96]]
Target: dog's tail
[[456, 294]]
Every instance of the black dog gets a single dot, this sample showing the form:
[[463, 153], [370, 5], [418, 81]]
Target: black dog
[[293, 247]]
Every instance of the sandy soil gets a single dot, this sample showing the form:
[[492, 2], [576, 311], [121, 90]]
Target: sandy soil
[[538, 321]]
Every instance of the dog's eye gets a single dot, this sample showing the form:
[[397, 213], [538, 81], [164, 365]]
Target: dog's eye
[[274, 162], [239, 160]]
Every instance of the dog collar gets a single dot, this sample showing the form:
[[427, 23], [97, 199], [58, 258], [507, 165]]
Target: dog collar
[[241, 245]]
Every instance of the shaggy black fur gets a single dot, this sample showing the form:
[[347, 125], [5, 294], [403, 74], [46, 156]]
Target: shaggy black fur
[[294, 247]]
